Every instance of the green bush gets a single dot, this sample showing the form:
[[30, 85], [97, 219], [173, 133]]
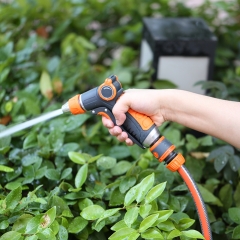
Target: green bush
[[67, 178]]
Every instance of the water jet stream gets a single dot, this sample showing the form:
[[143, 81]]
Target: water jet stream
[[30, 123]]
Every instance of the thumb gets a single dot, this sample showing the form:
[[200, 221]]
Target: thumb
[[120, 108]]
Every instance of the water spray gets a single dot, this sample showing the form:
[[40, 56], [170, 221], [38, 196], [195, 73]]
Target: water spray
[[30, 123]]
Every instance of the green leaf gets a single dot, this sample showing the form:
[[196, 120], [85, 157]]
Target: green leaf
[[60, 204], [163, 215], [76, 157], [33, 237], [33, 224], [4, 224], [234, 214], [66, 172], [46, 234], [30, 140], [130, 196], [144, 210], [176, 217], [173, 234], [155, 192], [164, 84], [116, 198], [52, 174], [208, 197], [21, 223], [4, 142], [166, 226], [121, 167], [77, 225], [106, 162], [133, 236], [13, 198], [55, 227], [4, 74], [11, 235], [119, 152], [30, 159], [131, 216], [225, 195], [56, 139], [92, 212], [148, 222], [108, 213], [48, 217], [181, 187], [81, 176], [74, 122], [236, 233], [83, 203], [5, 169], [93, 159], [126, 183], [234, 163], [66, 148], [122, 233], [152, 233], [205, 141], [46, 85], [220, 162], [119, 225], [63, 233], [193, 234], [185, 223], [218, 227], [192, 142], [236, 195], [144, 186]]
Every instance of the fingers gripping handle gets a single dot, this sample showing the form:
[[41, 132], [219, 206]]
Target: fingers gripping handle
[[138, 126]]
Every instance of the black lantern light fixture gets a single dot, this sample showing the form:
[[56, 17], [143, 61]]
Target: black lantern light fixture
[[180, 49]]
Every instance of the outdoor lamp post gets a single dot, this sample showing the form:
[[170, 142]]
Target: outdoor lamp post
[[180, 50]]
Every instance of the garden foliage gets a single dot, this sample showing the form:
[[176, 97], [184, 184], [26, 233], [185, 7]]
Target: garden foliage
[[68, 178]]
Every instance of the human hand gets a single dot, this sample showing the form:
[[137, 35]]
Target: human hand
[[142, 101]]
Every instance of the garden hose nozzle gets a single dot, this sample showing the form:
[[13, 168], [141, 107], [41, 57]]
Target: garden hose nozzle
[[142, 131], [139, 127]]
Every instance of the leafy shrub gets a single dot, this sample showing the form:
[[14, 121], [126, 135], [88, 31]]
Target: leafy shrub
[[67, 178]]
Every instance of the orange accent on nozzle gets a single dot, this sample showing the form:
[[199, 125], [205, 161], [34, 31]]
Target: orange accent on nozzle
[[75, 106], [176, 163], [104, 114], [107, 83], [144, 121]]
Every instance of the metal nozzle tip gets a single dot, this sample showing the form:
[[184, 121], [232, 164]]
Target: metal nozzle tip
[[65, 108]]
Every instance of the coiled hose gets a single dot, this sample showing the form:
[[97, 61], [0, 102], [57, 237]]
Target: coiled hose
[[201, 209]]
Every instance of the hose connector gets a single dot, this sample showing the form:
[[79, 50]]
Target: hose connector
[[163, 150], [176, 163]]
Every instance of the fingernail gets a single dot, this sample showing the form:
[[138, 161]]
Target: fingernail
[[117, 122]]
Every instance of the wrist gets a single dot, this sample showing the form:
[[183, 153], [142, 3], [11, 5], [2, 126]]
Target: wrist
[[166, 104]]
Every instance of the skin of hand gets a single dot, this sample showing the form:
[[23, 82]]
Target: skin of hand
[[216, 117]]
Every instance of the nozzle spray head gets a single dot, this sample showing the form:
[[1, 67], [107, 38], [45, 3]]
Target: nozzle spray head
[[73, 106]]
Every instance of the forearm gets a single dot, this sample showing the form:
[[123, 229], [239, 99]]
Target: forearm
[[219, 118]]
